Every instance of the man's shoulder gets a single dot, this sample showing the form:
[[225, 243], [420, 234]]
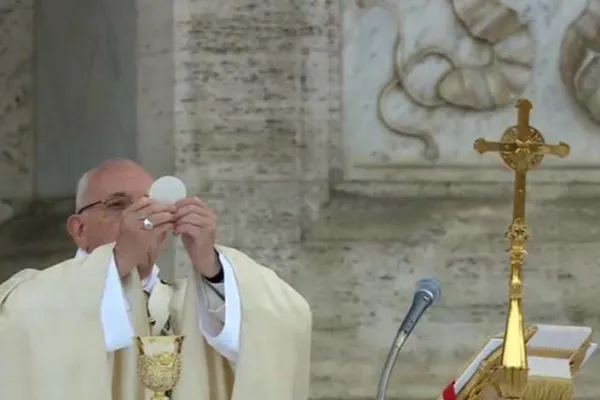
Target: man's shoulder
[[235, 255], [253, 273], [29, 275], [8, 286], [227, 250], [53, 269]]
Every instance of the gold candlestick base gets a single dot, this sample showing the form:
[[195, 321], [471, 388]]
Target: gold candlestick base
[[159, 363], [512, 382]]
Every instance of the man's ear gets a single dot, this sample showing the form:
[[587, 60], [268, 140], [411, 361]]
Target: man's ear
[[75, 228]]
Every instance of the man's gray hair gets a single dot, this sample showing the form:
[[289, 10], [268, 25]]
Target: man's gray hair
[[84, 182], [82, 186]]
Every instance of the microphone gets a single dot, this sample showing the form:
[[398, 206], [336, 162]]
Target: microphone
[[427, 292]]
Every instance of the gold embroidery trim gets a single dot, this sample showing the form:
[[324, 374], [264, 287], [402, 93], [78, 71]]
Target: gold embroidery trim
[[485, 374], [548, 389]]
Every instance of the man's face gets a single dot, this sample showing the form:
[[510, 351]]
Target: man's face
[[110, 191]]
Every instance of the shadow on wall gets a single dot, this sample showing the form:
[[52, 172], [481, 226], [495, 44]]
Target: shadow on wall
[[6, 212], [33, 235]]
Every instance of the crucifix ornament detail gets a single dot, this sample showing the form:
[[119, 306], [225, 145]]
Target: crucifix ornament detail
[[522, 148]]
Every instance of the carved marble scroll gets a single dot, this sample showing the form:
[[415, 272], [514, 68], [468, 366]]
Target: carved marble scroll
[[509, 70], [580, 60], [508, 45]]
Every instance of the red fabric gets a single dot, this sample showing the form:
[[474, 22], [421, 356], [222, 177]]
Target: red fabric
[[448, 393]]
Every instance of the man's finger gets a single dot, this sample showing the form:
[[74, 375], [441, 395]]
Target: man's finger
[[138, 204], [152, 208], [191, 200], [193, 208], [160, 218], [186, 229], [166, 227], [199, 221]]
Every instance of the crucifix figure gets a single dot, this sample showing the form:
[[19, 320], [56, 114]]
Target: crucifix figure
[[522, 148]]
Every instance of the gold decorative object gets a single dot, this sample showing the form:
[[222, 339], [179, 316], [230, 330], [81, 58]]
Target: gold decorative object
[[522, 148], [159, 363]]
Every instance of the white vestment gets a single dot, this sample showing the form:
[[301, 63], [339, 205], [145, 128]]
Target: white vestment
[[219, 324], [55, 325]]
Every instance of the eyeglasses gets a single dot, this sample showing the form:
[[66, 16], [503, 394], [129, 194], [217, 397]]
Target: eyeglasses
[[114, 203]]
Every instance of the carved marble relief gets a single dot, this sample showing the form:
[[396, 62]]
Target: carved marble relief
[[423, 80], [580, 60], [504, 46]]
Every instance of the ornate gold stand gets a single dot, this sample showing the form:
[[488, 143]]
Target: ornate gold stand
[[159, 363], [522, 149]]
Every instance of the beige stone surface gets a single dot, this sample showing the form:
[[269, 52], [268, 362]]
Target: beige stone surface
[[380, 248], [16, 101]]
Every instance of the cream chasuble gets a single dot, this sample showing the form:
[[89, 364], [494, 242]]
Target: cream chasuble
[[52, 345], [220, 329]]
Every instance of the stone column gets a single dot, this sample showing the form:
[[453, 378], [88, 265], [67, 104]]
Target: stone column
[[16, 103], [86, 97], [16, 118]]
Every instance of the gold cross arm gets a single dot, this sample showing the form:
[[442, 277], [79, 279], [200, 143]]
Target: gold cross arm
[[522, 147], [560, 150]]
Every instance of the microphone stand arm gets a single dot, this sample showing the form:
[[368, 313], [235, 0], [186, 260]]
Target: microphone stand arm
[[388, 367]]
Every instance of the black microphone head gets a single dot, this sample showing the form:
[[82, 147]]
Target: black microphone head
[[430, 287]]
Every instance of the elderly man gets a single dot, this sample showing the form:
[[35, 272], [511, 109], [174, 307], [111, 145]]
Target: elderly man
[[66, 332]]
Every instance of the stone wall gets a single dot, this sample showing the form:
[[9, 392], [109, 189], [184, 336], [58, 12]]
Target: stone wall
[[16, 110], [16, 102], [263, 133]]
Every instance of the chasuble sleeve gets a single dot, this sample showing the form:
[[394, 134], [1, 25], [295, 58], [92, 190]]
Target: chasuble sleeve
[[275, 330], [220, 320]]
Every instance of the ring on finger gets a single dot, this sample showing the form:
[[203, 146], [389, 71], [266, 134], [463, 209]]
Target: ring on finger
[[147, 224]]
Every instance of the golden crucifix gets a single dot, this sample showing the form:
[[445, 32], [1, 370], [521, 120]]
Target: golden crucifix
[[522, 148]]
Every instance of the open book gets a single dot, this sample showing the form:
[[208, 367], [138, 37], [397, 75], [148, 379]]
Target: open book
[[555, 354]]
